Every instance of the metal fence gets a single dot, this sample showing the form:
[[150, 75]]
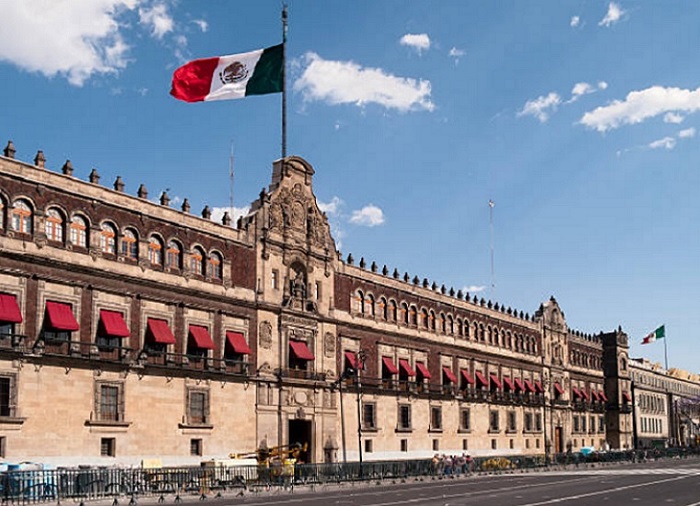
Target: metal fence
[[216, 478]]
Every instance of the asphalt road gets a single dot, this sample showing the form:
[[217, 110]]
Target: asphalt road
[[673, 482]]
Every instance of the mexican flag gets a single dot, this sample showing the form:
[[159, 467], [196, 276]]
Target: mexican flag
[[659, 333], [228, 77]]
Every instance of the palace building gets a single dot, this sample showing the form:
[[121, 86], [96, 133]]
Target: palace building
[[131, 330]]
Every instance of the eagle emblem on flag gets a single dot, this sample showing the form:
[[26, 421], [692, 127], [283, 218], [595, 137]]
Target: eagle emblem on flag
[[233, 73]]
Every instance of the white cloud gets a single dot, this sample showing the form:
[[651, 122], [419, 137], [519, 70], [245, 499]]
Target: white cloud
[[641, 105], [687, 133], [613, 15], [602, 85], [338, 82], [541, 107], [666, 143], [369, 216], [75, 39], [331, 208], [217, 213], [157, 19], [575, 21], [584, 88], [672, 117], [474, 288], [203, 25], [418, 41], [456, 54]]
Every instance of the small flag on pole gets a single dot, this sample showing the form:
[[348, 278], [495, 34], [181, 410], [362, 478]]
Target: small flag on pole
[[230, 77], [659, 333]]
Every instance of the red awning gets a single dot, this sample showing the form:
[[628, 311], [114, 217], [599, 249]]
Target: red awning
[[301, 350], [626, 397], [201, 337], [160, 331], [529, 386], [467, 377], [351, 358], [558, 389], [390, 366], [509, 383], [585, 395], [450, 375], [603, 396], [538, 387], [595, 395], [577, 392], [237, 342], [480, 378], [9, 309], [519, 384], [406, 367], [423, 370], [496, 381], [113, 323], [60, 316]]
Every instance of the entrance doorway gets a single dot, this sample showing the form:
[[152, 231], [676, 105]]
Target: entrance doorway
[[300, 432], [558, 440]]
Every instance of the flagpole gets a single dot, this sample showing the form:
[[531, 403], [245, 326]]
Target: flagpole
[[665, 351], [284, 81]]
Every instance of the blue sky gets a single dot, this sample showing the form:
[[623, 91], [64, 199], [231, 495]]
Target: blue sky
[[577, 118]]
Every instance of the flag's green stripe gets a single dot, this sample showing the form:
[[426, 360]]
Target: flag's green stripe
[[267, 76]]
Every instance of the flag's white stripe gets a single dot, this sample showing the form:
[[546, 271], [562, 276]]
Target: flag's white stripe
[[221, 91]]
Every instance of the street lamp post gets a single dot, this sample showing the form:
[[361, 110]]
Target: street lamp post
[[359, 365], [546, 381]]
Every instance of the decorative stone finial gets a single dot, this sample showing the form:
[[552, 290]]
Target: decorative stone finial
[[351, 259], [40, 159], [164, 199], [67, 168], [226, 219], [94, 177], [142, 192], [9, 150], [363, 264], [206, 213], [119, 184], [185, 206]]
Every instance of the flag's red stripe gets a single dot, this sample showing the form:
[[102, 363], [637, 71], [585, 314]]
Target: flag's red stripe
[[192, 81]]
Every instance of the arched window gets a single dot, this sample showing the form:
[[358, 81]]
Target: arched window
[[393, 310], [173, 256], [443, 323], [53, 226], [383, 308], [215, 266], [22, 217], [358, 302], [405, 317], [108, 239], [370, 308], [155, 251], [460, 327], [413, 313], [130, 245], [197, 261], [78, 231], [450, 325], [431, 320]]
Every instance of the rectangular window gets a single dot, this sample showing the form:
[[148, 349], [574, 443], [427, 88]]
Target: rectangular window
[[465, 423], [318, 290], [369, 415], [512, 422], [436, 445], [109, 403], [577, 427], [591, 426], [583, 423], [404, 417], [493, 421], [368, 446], [436, 418], [528, 422], [108, 447], [196, 447], [404, 445], [494, 444], [198, 407], [275, 279], [601, 424], [465, 444], [6, 395], [538, 422]]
